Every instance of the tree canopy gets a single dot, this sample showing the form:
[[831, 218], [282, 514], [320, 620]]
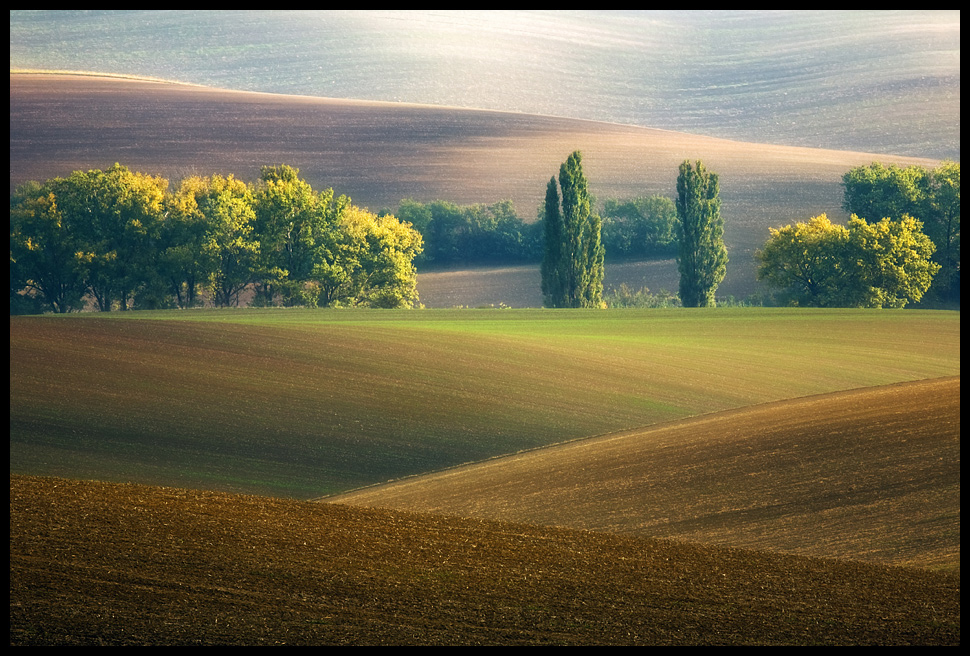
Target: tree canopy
[[932, 196], [123, 240], [703, 255], [471, 234], [645, 226], [822, 264]]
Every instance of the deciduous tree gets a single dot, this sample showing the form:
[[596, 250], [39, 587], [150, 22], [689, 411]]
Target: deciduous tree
[[861, 264], [374, 263], [932, 196], [228, 248], [297, 229], [640, 227], [110, 219], [47, 255]]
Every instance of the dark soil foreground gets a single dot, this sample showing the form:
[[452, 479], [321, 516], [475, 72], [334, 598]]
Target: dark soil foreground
[[108, 564]]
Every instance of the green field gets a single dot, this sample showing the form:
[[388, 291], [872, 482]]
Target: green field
[[302, 403]]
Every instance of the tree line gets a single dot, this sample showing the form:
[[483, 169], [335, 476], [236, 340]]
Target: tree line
[[453, 234], [886, 261], [124, 240]]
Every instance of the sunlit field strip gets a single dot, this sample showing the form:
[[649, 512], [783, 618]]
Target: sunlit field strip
[[304, 403]]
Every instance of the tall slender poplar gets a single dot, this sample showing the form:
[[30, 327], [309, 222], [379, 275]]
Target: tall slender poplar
[[573, 264], [703, 255]]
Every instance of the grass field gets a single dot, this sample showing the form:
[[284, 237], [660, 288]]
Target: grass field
[[305, 403]]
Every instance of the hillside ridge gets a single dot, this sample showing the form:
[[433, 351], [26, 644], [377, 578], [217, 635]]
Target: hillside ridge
[[380, 153], [693, 419]]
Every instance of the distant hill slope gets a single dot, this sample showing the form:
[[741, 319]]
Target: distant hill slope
[[870, 474], [101, 564], [870, 80], [381, 153]]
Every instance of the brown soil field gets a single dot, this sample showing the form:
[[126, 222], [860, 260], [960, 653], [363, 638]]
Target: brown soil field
[[115, 564], [871, 474], [381, 153]]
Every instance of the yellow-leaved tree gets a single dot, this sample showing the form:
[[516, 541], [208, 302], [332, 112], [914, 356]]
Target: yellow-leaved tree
[[861, 264], [373, 264]]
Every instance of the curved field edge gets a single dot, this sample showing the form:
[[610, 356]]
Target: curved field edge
[[108, 564], [871, 474], [307, 403]]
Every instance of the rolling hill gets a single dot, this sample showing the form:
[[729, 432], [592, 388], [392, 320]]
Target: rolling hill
[[293, 403], [871, 474], [303, 403], [884, 81], [380, 153], [109, 564]]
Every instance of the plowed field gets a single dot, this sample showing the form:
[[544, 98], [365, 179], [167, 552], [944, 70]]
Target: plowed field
[[100, 564], [870, 474]]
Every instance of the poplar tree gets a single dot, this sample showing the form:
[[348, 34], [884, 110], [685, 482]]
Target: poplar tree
[[703, 256], [573, 264]]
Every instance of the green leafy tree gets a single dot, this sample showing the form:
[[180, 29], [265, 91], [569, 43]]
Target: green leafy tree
[[703, 256], [120, 212], [572, 269], [932, 196], [219, 211], [942, 225], [463, 234], [182, 261], [821, 264], [113, 218], [297, 229], [554, 266], [48, 259], [876, 191], [640, 227], [374, 264]]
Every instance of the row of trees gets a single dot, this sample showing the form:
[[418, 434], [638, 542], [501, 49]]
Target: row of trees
[[888, 261], [641, 227], [471, 234], [573, 265], [124, 240]]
